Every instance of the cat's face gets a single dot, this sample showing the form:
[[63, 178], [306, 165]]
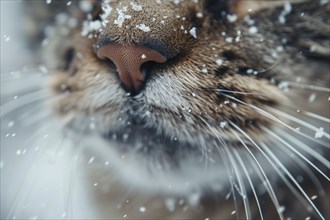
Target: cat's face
[[174, 116]]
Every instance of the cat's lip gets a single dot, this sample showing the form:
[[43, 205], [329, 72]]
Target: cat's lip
[[147, 140]]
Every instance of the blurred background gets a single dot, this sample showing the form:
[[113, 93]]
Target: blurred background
[[14, 53], [34, 167]]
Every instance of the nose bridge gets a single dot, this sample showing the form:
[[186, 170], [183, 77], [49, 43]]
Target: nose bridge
[[128, 60]]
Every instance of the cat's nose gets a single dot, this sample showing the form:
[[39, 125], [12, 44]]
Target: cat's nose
[[129, 60]]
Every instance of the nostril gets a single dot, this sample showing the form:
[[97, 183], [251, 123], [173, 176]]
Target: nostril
[[146, 68], [68, 57], [110, 64], [132, 63]]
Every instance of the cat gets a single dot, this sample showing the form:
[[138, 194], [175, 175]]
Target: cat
[[201, 109]]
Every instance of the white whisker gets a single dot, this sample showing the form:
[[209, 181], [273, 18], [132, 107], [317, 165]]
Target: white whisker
[[28, 71], [23, 101], [242, 188], [273, 65], [228, 163], [284, 178], [68, 202], [283, 168], [305, 168], [296, 152], [270, 116], [235, 92], [306, 148], [238, 157], [77, 152], [269, 187], [306, 86], [19, 194], [319, 117], [35, 76], [38, 107], [297, 120], [36, 119], [20, 73]]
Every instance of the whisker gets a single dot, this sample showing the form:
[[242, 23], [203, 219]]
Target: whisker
[[34, 76], [21, 95], [281, 166], [39, 117], [33, 114], [297, 120], [242, 188], [269, 187], [239, 159], [77, 152], [270, 116], [306, 148], [24, 100], [312, 115], [304, 168], [293, 180], [206, 156], [235, 92], [20, 73], [68, 203], [306, 86], [225, 149], [284, 178], [25, 195], [18, 196], [272, 66], [204, 152], [28, 71], [19, 89], [38, 107], [319, 117], [296, 152]]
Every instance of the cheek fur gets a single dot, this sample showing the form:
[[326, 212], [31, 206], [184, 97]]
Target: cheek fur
[[235, 109]]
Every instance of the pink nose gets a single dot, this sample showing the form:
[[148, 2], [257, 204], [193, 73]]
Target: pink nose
[[128, 60]]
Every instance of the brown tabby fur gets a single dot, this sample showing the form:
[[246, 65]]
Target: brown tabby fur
[[183, 75]]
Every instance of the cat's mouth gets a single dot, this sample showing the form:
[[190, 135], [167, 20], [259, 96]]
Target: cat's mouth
[[140, 132], [148, 140]]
